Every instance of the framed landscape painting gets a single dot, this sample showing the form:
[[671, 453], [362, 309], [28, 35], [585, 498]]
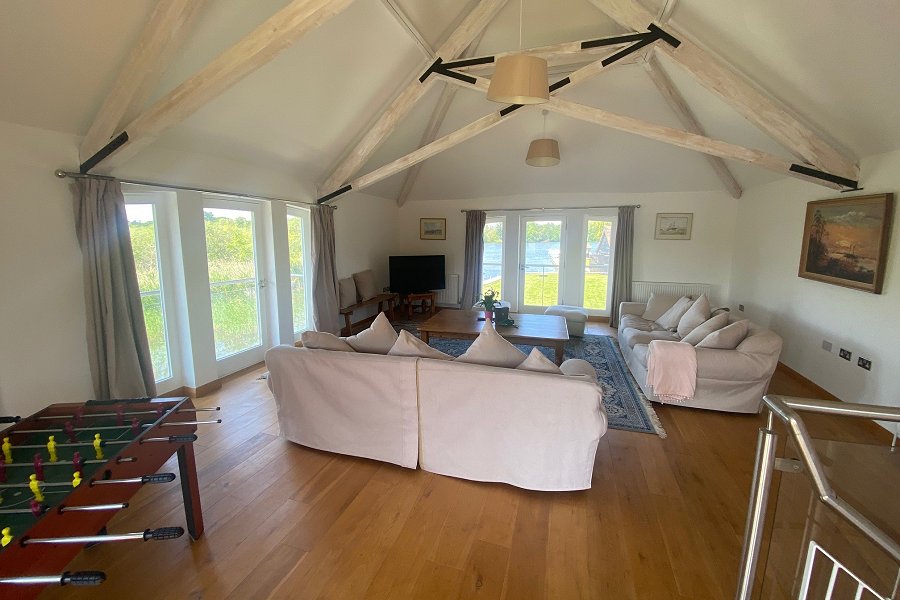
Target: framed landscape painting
[[845, 241], [673, 226], [432, 229]]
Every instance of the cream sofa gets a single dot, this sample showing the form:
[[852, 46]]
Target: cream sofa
[[532, 430], [727, 380]]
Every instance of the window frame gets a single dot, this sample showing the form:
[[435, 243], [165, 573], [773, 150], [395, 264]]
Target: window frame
[[306, 248], [160, 202]]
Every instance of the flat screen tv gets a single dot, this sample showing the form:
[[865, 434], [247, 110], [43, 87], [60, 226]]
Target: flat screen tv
[[416, 274]]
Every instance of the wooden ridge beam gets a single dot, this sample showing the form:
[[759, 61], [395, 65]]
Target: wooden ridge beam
[[756, 105], [161, 37], [458, 41], [253, 51], [684, 113]]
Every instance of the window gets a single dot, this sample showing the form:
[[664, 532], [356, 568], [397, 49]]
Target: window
[[596, 263], [142, 225], [233, 284], [301, 271], [492, 263], [542, 245]]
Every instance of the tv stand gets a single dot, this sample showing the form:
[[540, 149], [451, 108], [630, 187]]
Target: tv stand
[[426, 298]]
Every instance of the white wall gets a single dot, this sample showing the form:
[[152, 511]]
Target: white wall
[[805, 312], [705, 258], [43, 357]]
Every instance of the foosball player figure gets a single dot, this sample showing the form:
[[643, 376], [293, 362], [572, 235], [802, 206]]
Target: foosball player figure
[[76, 479], [135, 426], [39, 466], [7, 536], [120, 415], [51, 448], [70, 431], [2, 471], [98, 446], [79, 414], [36, 508], [77, 461], [35, 486], [7, 450]]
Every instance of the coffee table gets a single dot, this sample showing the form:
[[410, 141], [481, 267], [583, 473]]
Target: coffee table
[[535, 330]]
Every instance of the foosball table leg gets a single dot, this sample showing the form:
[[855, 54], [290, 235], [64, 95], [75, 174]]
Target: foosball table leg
[[190, 489]]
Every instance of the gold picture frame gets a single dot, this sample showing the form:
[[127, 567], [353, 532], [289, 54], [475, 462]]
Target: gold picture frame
[[432, 229], [845, 241]]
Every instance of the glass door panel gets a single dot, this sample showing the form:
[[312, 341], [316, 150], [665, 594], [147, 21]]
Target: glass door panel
[[492, 263], [145, 247], [297, 244], [234, 293], [597, 252], [542, 244]]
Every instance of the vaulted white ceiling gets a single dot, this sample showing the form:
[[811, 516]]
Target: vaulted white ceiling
[[831, 61]]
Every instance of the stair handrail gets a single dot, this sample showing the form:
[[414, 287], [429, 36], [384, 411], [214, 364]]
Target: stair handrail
[[785, 408]]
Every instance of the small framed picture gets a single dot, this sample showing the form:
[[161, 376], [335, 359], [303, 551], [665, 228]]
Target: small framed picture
[[432, 229], [674, 226]]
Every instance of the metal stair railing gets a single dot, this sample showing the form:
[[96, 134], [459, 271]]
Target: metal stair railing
[[786, 408]]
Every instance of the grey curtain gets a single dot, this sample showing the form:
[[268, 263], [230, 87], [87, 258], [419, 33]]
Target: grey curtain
[[471, 286], [623, 262], [118, 351], [326, 315]]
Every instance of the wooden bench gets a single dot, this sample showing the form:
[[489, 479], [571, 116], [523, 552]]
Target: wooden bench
[[387, 298]]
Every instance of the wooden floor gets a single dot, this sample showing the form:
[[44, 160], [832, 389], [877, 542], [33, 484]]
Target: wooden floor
[[664, 519]]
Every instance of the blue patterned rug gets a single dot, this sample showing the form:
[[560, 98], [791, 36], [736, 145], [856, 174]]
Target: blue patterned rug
[[626, 406]]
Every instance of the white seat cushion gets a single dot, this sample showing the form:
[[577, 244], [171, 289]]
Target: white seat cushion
[[536, 361], [633, 337], [322, 340], [489, 348], [409, 345], [379, 338]]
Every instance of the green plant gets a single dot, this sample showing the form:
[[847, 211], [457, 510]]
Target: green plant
[[488, 299]]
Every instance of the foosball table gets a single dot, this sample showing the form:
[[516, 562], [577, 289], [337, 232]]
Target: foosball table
[[66, 470]]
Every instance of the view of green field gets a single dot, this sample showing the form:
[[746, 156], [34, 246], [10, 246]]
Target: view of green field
[[543, 290]]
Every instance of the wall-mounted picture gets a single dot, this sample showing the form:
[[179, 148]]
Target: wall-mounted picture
[[674, 226], [432, 229], [845, 241]]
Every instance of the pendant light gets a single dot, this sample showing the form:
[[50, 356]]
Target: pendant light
[[543, 152], [520, 78]]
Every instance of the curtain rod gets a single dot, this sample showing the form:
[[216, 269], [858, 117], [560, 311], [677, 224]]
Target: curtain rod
[[465, 210], [63, 174]]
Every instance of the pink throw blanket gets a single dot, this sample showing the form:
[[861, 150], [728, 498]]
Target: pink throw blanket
[[672, 370]]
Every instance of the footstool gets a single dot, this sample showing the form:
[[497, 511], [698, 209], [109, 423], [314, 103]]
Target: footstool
[[575, 317]]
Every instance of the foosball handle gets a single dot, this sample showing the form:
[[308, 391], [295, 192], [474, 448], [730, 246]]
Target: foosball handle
[[182, 439], [10, 419], [158, 478], [82, 578], [164, 533]]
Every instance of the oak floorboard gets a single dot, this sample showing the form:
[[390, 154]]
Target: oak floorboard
[[663, 519]]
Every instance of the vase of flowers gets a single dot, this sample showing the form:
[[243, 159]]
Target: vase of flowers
[[488, 300]]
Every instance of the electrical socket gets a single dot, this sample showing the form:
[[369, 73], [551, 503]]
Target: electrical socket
[[845, 354], [741, 307], [865, 363], [826, 345]]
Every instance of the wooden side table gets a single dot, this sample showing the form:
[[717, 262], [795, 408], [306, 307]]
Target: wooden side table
[[427, 299]]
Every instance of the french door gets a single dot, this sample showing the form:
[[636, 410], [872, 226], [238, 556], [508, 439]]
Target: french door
[[541, 262], [564, 258], [234, 259]]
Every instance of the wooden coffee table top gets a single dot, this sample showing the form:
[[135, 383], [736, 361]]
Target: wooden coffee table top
[[465, 324]]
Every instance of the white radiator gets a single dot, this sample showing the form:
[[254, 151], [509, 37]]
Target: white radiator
[[641, 290], [449, 296]]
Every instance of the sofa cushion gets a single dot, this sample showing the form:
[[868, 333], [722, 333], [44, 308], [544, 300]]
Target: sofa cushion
[[669, 319], [365, 284], [377, 339], [409, 345], [489, 348], [347, 292], [695, 316], [632, 337], [657, 305], [707, 327], [640, 353], [536, 361], [322, 340], [636, 322], [728, 337], [577, 367]]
